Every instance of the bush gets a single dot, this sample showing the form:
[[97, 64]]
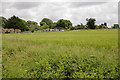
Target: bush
[[73, 67]]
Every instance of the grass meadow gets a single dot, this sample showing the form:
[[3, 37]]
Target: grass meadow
[[67, 54]]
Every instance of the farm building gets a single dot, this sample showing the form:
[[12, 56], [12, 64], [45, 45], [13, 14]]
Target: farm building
[[17, 30], [46, 30], [56, 30], [11, 30], [51, 29]]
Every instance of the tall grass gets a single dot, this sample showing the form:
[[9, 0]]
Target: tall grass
[[69, 54]]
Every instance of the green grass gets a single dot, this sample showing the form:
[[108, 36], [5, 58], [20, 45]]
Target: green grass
[[61, 54]]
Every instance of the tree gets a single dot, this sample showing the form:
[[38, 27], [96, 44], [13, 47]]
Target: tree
[[47, 21], [16, 23], [3, 21], [33, 26], [42, 23], [102, 26], [96, 27], [105, 23], [91, 23], [54, 25], [78, 27], [69, 24], [63, 24], [45, 27], [72, 28], [81, 26], [116, 26], [31, 23]]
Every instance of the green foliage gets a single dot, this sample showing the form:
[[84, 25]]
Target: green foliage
[[47, 21], [91, 23], [63, 24], [116, 26], [69, 24], [104, 27], [77, 27], [105, 23], [42, 23], [16, 23], [31, 23], [97, 27], [33, 26], [72, 28], [68, 54], [73, 67], [54, 25], [3, 21], [101, 27], [45, 27], [80, 26]]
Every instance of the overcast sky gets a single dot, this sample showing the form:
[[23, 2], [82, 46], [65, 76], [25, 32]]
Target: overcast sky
[[76, 11]]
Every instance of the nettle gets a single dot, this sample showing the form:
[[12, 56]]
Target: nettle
[[71, 67]]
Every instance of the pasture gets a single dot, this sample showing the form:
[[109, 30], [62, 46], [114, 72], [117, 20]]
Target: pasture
[[67, 54]]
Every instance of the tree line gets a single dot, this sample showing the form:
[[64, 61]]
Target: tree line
[[62, 24]]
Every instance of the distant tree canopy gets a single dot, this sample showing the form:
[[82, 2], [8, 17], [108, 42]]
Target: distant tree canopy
[[81, 26], [3, 21], [16, 23], [33, 26], [116, 26], [45, 27], [31, 23], [47, 21], [105, 23], [77, 27], [63, 24], [91, 23], [54, 25], [42, 23], [69, 24]]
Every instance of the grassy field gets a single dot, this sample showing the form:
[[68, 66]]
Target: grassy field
[[69, 54]]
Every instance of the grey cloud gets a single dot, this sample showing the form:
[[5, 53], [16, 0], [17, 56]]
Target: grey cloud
[[76, 12], [4, 6], [60, 0], [52, 10], [25, 5], [84, 4]]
